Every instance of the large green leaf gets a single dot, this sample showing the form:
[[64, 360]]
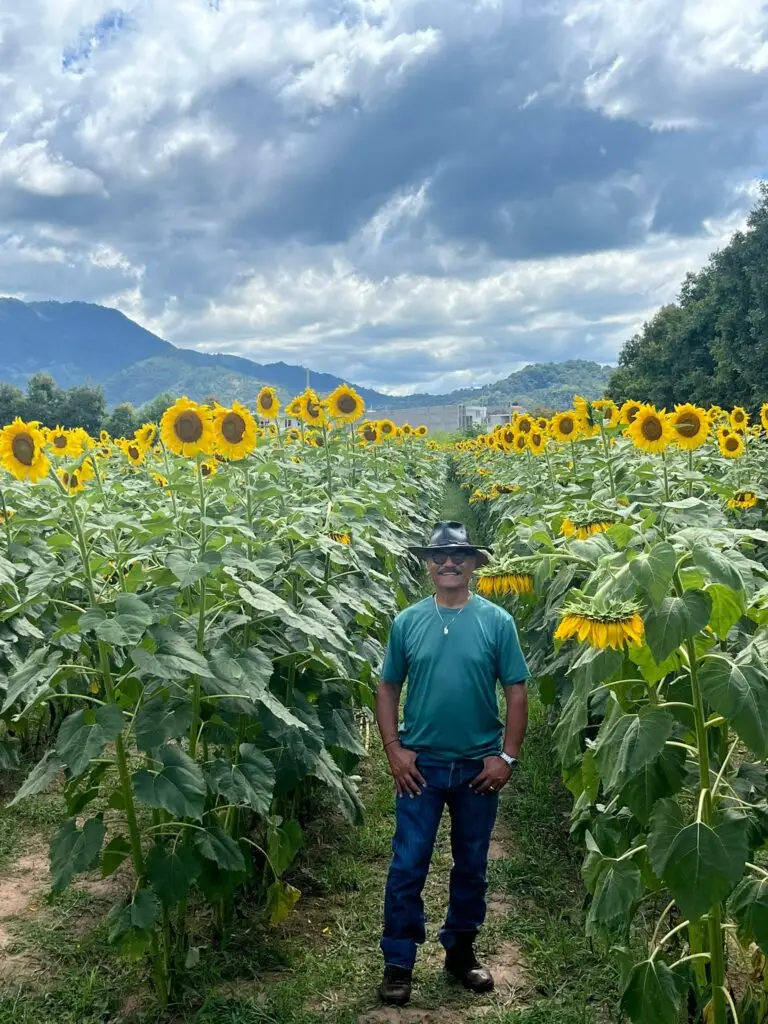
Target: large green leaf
[[171, 871], [85, 734], [173, 658], [281, 899], [627, 743], [700, 863], [74, 851], [159, 720], [674, 620], [40, 778], [749, 906], [132, 924], [217, 846], [653, 571], [618, 887], [653, 994], [250, 782], [186, 572], [738, 690], [659, 778], [570, 728], [341, 730], [283, 845], [178, 787], [727, 608], [31, 678], [717, 565]]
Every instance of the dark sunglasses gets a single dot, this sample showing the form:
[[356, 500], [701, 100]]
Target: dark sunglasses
[[458, 557]]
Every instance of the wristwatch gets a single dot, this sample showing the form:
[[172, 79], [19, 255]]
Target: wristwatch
[[511, 761]]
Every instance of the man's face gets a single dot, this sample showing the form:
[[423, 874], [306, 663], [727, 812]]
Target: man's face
[[450, 570]]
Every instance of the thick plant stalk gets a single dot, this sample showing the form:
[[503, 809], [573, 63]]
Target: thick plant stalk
[[608, 459], [196, 685]]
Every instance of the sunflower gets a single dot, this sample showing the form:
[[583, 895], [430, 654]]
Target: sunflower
[[370, 432], [581, 528], [422, 430], [187, 428], [267, 403], [542, 423], [292, 435], [731, 445], [160, 480], [537, 441], [341, 538], [651, 430], [344, 404], [63, 443], [103, 451], [628, 411], [520, 443], [314, 438], [739, 418], [104, 437], [609, 411], [406, 430], [312, 411], [723, 431], [525, 424], [208, 468], [498, 582], [506, 437], [6, 515], [132, 450], [764, 415], [146, 435], [583, 411], [293, 408], [272, 430], [21, 451], [691, 425], [743, 499], [613, 624], [74, 480], [564, 426], [234, 431]]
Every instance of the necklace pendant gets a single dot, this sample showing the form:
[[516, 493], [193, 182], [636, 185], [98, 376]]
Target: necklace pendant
[[445, 631]]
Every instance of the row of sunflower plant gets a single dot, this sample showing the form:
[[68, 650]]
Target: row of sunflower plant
[[200, 610], [631, 544]]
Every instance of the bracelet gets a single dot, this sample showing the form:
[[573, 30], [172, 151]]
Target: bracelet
[[396, 740]]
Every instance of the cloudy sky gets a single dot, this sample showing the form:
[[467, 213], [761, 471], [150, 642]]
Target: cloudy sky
[[413, 194]]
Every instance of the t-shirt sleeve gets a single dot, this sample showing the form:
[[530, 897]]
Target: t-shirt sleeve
[[511, 666], [395, 667]]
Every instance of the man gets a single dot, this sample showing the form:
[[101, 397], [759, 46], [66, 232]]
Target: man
[[453, 647]]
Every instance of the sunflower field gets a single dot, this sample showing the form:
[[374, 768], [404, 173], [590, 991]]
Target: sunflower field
[[631, 545], [191, 621]]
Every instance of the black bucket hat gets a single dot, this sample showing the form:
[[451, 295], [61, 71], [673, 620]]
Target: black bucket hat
[[450, 535]]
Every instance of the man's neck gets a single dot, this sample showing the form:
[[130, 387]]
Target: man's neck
[[453, 598]]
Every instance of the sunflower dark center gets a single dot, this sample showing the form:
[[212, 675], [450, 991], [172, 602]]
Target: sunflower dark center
[[59, 441], [189, 427], [632, 413], [73, 480], [524, 426], [347, 404], [65, 478], [688, 424], [319, 441], [652, 429], [205, 469], [369, 434], [233, 427], [23, 448], [566, 425], [731, 443], [133, 451], [313, 410], [738, 416], [536, 439], [267, 401], [386, 428]]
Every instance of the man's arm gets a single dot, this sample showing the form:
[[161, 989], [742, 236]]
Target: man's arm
[[402, 762]]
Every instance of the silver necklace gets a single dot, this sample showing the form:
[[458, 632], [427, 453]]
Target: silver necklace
[[442, 620]]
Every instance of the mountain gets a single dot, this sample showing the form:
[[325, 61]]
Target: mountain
[[78, 342]]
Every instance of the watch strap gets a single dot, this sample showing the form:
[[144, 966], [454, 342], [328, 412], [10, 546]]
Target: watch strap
[[511, 761]]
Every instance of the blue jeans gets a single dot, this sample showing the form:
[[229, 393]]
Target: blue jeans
[[417, 819]]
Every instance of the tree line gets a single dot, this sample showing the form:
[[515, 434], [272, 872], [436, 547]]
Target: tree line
[[711, 346], [80, 406]]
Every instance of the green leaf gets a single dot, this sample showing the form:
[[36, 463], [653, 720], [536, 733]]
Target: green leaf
[[41, 776], [627, 743], [179, 787], [653, 994], [132, 924], [115, 852], [676, 619], [84, 735], [159, 720], [73, 851], [701, 864], [281, 899], [283, 845], [186, 572], [111, 632], [250, 782], [650, 670], [171, 872], [341, 729], [749, 906], [728, 606], [662, 777], [653, 571], [217, 846], [738, 690], [717, 566], [175, 657], [618, 887], [133, 617], [31, 678], [570, 728]]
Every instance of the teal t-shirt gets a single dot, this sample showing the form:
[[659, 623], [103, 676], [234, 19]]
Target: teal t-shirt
[[452, 705]]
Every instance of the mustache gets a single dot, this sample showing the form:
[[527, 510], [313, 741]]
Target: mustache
[[449, 572]]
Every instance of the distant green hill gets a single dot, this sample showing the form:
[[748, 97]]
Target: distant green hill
[[141, 382]]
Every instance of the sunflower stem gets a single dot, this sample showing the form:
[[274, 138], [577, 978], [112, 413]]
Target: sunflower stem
[[194, 728], [329, 474], [666, 475], [5, 518], [608, 459], [690, 472]]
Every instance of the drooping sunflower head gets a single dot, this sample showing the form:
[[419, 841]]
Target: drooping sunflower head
[[608, 623], [134, 452], [344, 404], [146, 435], [234, 431], [22, 451], [505, 577], [267, 403], [564, 426], [312, 411], [691, 425], [628, 412], [74, 480], [341, 538], [743, 499], [739, 418], [586, 522], [651, 430], [731, 445], [187, 428]]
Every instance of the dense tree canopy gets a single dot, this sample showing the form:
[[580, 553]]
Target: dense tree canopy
[[712, 345]]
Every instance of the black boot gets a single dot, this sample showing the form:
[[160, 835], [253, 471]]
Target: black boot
[[395, 989], [462, 964]]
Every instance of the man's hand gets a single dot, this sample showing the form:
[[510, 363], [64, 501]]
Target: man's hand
[[408, 778], [495, 775]]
